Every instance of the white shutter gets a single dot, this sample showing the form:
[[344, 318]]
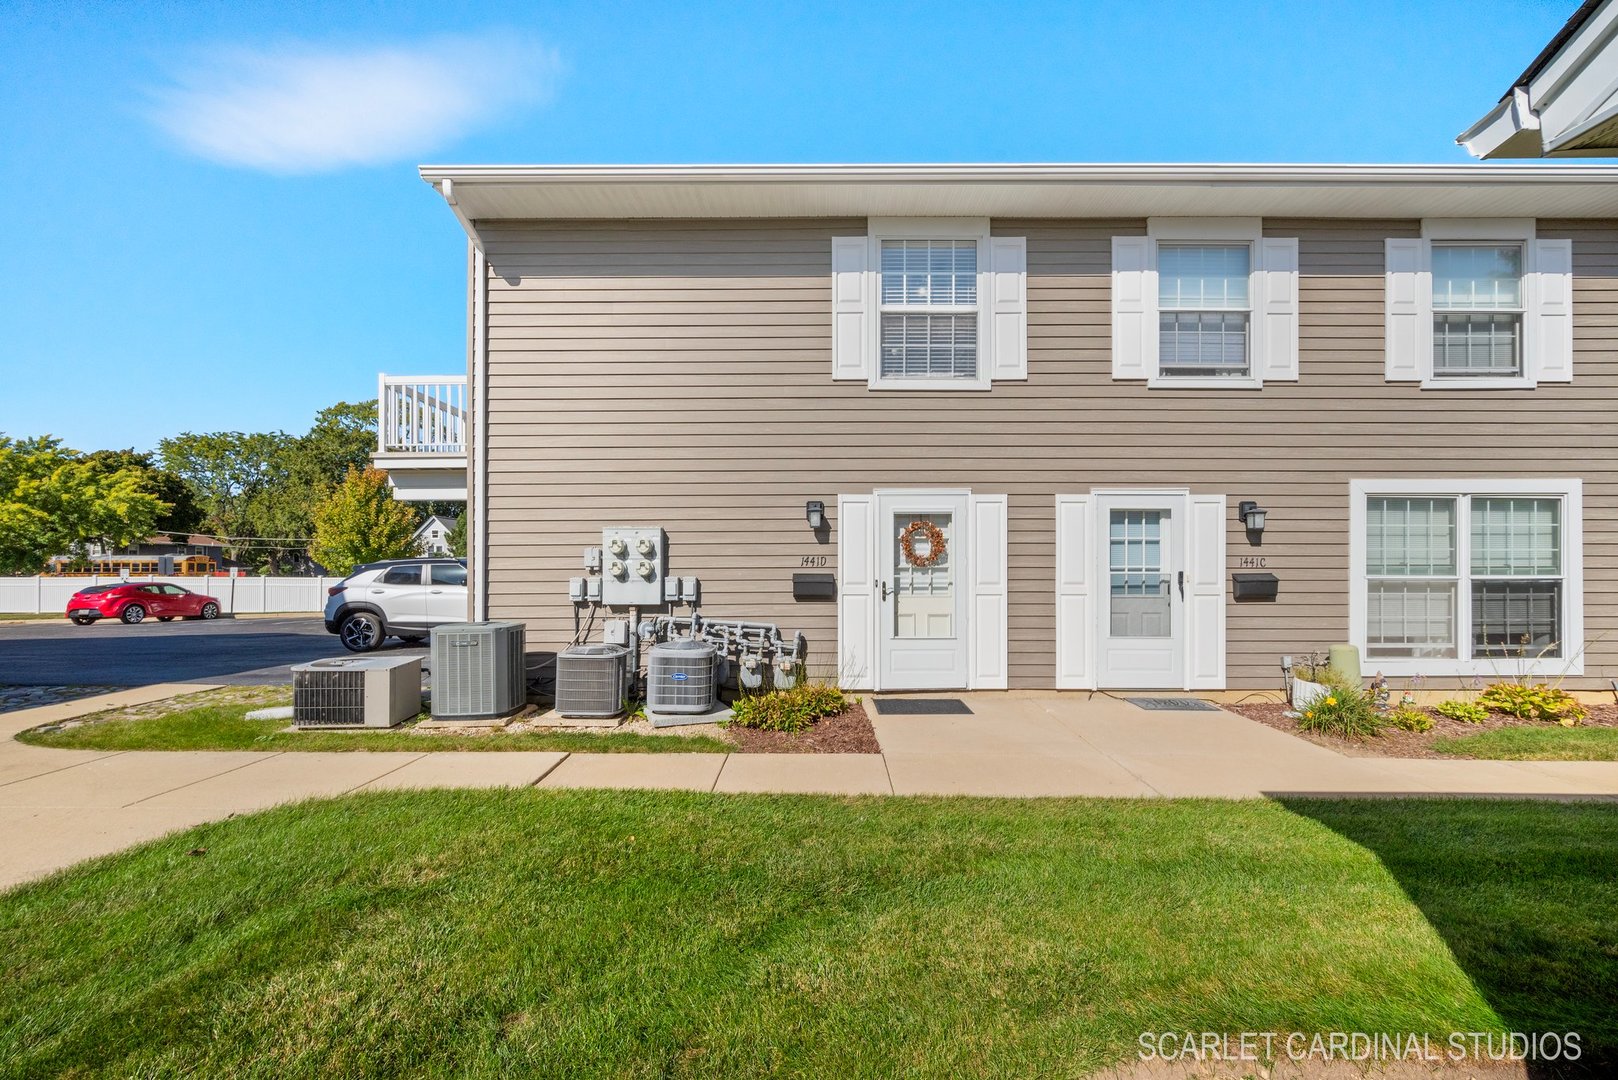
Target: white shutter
[[1008, 307], [1134, 308], [1075, 623], [1409, 286], [850, 305], [986, 620], [1278, 307], [1205, 594], [1550, 340], [856, 592]]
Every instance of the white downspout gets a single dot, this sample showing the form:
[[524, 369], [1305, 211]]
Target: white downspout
[[480, 419]]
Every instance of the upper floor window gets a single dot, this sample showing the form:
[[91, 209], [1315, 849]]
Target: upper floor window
[[1479, 304], [1477, 310], [935, 304], [1204, 308], [929, 309]]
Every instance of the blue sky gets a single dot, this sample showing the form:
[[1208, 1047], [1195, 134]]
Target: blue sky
[[213, 219]]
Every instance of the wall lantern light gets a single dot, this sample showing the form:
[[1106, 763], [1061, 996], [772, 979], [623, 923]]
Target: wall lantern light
[[1252, 515], [814, 511]]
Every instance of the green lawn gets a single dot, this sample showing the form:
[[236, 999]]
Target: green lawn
[[1547, 743], [225, 727], [535, 933]]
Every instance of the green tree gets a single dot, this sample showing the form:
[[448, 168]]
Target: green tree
[[234, 476], [54, 501], [343, 437], [184, 516], [360, 521], [457, 536]]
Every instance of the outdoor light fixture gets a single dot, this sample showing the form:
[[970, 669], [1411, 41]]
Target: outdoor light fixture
[[814, 511], [1252, 515]]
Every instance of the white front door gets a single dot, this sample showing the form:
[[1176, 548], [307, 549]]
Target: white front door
[[921, 589], [1141, 573]]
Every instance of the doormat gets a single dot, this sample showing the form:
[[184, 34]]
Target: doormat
[[1173, 704], [948, 706]]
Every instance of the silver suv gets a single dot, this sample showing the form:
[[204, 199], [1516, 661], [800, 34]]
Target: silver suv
[[402, 598]]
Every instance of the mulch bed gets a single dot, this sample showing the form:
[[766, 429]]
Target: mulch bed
[[1396, 743], [849, 732]]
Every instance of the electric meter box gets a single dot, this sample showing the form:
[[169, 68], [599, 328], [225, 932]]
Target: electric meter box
[[634, 562]]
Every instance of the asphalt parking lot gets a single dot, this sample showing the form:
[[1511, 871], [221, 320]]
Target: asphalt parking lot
[[109, 653]]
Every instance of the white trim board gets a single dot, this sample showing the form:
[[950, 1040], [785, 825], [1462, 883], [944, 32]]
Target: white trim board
[[1571, 492]]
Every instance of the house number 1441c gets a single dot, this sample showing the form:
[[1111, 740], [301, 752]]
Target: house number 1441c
[[1253, 562]]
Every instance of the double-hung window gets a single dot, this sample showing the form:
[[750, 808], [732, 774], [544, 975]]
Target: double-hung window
[[1477, 310], [928, 310], [1205, 309], [1472, 580]]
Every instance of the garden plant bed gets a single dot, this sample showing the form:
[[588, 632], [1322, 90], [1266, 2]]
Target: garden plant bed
[[1595, 739], [849, 732]]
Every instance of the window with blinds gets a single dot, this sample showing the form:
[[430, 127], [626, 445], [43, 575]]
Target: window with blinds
[[1204, 309], [929, 309], [1477, 310], [1506, 567]]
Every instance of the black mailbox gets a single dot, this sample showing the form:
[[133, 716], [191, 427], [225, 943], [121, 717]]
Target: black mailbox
[[1255, 586], [814, 587]]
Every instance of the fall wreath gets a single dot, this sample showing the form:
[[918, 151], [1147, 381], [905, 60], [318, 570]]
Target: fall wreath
[[935, 543]]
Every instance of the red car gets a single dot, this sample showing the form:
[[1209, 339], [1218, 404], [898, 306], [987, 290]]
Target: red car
[[136, 601]]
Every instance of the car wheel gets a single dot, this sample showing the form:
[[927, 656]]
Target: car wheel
[[360, 632], [81, 620], [210, 610], [133, 614], [165, 618]]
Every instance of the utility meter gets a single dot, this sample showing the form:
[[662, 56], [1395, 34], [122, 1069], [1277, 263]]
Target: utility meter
[[639, 563]]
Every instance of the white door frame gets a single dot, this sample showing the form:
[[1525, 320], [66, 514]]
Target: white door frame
[[1082, 593], [960, 562], [1177, 501]]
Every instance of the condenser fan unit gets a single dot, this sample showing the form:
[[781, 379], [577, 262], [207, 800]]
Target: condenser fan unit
[[590, 681], [681, 677]]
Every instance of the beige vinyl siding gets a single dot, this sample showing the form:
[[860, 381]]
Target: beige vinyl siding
[[678, 373]]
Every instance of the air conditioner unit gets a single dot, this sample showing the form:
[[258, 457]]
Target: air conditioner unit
[[681, 677], [478, 670], [356, 691], [590, 681]]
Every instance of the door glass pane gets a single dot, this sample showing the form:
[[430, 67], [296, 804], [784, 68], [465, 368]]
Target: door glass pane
[[923, 576], [1139, 583]]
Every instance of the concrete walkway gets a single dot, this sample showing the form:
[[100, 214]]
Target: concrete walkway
[[60, 806]]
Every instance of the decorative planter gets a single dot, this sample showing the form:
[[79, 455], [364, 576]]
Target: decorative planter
[[1306, 693]]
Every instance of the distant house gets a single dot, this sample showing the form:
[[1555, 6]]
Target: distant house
[[175, 545], [433, 536]]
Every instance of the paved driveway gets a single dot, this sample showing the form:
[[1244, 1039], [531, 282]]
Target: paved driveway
[[112, 654]]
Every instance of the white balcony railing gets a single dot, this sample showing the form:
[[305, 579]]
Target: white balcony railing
[[421, 414]]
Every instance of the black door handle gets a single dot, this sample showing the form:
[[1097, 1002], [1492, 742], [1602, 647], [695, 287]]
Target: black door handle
[[1180, 574]]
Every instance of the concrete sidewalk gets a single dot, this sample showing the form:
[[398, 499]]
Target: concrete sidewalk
[[60, 806]]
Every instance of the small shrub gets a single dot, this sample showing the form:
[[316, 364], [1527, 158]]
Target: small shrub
[[791, 711], [1536, 702], [1465, 712], [1409, 718], [1345, 711]]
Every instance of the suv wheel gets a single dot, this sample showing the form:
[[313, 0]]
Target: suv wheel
[[133, 614], [360, 632]]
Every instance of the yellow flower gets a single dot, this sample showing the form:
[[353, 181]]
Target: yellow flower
[[1309, 714], [1331, 701]]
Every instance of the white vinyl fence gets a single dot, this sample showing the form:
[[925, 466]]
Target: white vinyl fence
[[244, 595]]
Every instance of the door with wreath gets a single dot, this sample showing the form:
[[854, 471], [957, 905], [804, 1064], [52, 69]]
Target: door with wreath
[[922, 593]]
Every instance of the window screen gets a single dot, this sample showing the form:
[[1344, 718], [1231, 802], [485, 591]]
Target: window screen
[[929, 319], [1477, 310], [1204, 309]]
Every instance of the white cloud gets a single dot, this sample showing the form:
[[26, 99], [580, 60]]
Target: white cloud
[[299, 108]]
